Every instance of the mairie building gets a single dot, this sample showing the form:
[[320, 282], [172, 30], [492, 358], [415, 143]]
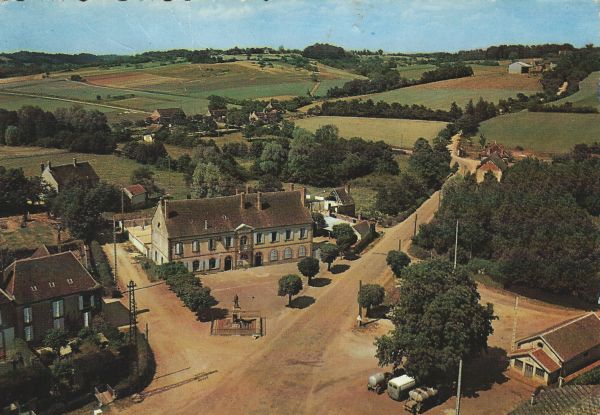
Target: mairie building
[[231, 232]]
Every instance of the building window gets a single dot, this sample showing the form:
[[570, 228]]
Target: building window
[[259, 238], [244, 240], [228, 242], [212, 263], [85, 302], [196, 246], [288, 235], [274, 255], [28, 333], [155, 256], [195, 265], [287, 253], [179, 248], [27, 315], [302, 233], [518, 364], [539, 372], [274, 236], [58, 309], [211, 244], [301, 251]]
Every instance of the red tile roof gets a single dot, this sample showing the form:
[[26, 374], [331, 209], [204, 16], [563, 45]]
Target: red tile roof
[[542, 358], [37, 279], [572, 337], [225, 214], [136, 189]]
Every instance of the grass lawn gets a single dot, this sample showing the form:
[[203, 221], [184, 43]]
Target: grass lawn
[[543, 132], [110, 168], [37, 232], [588, 94], [399, 133]]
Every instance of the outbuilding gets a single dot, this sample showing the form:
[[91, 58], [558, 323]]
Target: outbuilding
[[519, 68]]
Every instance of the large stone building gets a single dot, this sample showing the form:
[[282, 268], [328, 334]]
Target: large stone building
[[223, 233], [43, 292], [559, 351]]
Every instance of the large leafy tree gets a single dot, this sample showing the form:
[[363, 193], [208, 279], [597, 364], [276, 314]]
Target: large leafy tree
[[55, 339], [209, 180], [430, 163], [79, 207], [370, 295], [438, 321], [309, 267], [17, 191], [344, 236], [289, 285], [397, 261], [329, 252]]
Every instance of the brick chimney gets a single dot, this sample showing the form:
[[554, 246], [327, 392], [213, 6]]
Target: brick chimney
[[303, 195], [291, 187], [42, 167], [259, 200], [347, 187], [74, 162], [165, 209], [242, 200]]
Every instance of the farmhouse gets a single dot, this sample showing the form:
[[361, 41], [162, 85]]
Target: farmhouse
[[231, 232], [43, 292], [167, 116], [558, 351], [338, 201], [218, 114], [136, 195], [519, 68], [495, 148], [59, 176], [269, 115], [494, 164]]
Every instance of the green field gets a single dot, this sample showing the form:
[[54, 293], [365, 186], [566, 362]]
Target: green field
[[110, 168], [543, 132], [175, 85], [588, 94], [398, 133]]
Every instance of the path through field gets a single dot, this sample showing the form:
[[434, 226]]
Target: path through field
[[75, 101]]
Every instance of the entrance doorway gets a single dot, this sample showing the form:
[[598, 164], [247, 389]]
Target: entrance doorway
[[258, 259], [227, 266]]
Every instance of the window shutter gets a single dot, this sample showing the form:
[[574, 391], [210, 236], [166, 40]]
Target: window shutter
[[80, 302], [256, 238], [92, 300], [217, 261]]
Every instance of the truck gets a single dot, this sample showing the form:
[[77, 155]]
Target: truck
[[378, 381], [399, 387], [419, 398]]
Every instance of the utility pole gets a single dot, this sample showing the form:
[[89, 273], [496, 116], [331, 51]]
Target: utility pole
[[400, 245], [169, 168], [359, 318], [122, 202], [415, 230], [456, 245], [458, 388], [514, 330], [115, 249], [133, 325]]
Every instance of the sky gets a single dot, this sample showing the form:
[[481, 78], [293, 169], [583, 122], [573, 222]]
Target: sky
[[134, 26]]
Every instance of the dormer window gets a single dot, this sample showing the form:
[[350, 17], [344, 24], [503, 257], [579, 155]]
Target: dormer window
[[69, 281], [51, 284], [34, 288]]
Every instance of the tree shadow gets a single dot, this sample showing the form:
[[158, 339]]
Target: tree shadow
[[351, 256], [551, 298], [339, 268], [378, 312], [302, 302], [495, 362], [320, 282], [214, 313]]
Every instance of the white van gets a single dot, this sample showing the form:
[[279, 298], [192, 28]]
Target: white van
[[399, 387]]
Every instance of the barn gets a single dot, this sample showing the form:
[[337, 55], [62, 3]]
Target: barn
[[519, 68]]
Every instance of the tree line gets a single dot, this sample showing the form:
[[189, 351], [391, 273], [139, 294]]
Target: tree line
[[392, 80], [534, 228], [75, 129]]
